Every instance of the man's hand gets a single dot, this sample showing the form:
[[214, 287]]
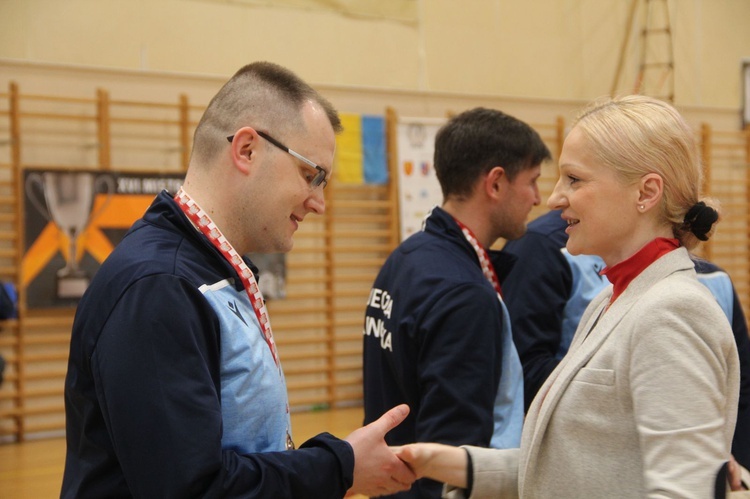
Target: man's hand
[[377, 471]]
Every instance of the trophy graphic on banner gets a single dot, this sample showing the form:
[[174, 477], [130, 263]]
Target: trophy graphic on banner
[[69, 199]]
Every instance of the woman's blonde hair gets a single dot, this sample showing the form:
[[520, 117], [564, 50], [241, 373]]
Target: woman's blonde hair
[[636, 135]]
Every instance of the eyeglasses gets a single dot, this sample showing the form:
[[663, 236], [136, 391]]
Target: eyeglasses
[[320, 175]]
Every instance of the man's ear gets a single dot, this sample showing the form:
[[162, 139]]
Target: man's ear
[[650, 191], [244, 149], [495, 181]]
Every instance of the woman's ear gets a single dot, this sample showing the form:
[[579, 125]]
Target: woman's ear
[[650, 190]]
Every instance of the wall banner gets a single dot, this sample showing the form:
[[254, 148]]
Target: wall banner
[[72, 221], [418, 186]]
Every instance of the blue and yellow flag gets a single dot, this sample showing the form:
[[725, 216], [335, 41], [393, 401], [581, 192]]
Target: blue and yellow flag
[[360, 150]]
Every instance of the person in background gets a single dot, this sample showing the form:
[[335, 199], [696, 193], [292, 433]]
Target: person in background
[[548, 289], [436, 334], [174, 385], [645, 401]]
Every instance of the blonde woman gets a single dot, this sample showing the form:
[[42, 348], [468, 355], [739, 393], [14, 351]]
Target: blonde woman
[[645, 402]]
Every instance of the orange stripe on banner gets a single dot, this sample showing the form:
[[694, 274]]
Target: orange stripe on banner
[[41, 252], [112, 212], [116, 212], [96, 243], [121, 211]]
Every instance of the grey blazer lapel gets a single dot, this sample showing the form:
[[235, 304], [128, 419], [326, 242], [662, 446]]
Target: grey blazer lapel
[[588, 338]]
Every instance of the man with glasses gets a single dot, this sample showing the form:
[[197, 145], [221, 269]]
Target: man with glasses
[[437, 334], [174, 385]]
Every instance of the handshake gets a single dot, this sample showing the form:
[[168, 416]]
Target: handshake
[[382, 470]]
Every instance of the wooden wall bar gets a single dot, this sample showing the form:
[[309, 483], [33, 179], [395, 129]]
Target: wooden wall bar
[[318, 326]]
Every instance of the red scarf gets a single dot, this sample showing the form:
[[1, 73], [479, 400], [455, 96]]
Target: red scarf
[[623, 273]]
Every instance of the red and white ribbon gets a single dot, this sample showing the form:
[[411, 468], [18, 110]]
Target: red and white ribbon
[[209, 229], [484, 258]]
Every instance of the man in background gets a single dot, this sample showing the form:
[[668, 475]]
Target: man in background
[[436, 334]]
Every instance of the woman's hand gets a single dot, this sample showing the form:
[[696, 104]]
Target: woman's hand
[[443, 463], [735, 475]]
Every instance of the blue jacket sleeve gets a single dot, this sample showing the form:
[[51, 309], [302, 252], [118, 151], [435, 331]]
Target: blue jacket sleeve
[[156, 371], [536, 292]]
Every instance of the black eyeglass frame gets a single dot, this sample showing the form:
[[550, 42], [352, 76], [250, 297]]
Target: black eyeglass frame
[[320, 175]]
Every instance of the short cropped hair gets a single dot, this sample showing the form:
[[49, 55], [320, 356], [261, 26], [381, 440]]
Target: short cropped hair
[[263, 95], [636, 135], [477, 140]]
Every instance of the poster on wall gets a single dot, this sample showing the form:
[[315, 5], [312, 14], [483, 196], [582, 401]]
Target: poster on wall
[[418, 186], [73, 219]]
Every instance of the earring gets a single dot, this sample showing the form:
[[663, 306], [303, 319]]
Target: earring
[[641, 207]]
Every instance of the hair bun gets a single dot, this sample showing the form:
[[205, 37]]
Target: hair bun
[[699, 219]]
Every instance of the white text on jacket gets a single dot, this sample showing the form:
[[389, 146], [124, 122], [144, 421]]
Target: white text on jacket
[[379, 299]]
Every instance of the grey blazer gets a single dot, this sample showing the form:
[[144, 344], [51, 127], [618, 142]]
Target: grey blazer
[[643, 405]]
